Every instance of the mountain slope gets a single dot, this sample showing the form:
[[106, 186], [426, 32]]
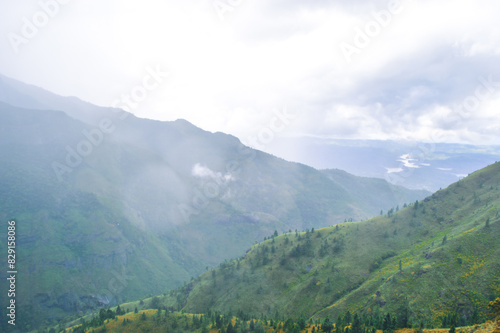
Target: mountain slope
[[105, 200], [447, 245], [362, 189], [77, 250]]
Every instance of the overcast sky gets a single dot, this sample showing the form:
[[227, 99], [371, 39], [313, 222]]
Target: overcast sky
[[412, 70]]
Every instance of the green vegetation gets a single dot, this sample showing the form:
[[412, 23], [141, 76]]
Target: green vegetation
[[114, 221], [164, 320], [435, 262], [439, 270]]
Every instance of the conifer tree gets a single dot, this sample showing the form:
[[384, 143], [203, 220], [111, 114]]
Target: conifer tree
[[230, 328], [356, 324], [327, 325]]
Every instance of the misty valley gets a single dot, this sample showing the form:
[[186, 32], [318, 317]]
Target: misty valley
[[125, 224]]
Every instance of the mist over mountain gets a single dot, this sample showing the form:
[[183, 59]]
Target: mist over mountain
[[104, 200], [430, 266], [433, 263]]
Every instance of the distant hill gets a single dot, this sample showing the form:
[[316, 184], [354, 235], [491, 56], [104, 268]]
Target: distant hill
[[105, 201], [419, 165], [433, 263], [362, 189]]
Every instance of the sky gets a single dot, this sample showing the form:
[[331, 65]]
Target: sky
[[399, 70]]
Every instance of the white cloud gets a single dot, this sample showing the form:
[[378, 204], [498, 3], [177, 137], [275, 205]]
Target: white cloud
[[394, 170], [229, 75], [201, 171]]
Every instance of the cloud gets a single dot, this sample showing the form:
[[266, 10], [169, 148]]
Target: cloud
[[394, 170], [202, 172], [229, 75]]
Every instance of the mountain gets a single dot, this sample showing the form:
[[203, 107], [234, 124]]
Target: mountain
[[431, 263], [416, 165], [362, 189], [110, 207], [419, 165]]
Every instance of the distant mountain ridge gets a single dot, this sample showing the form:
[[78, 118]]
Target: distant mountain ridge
[[417, 165], [433, 263], [104, 199]]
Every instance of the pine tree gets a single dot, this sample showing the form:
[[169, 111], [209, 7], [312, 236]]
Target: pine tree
[[387, 325], [356, 324], [302, 323], [348, 318], [218, 321], [230, 328], [327, 325], [339, 324]]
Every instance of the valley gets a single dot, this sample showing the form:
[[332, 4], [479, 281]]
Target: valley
[[432, 264]]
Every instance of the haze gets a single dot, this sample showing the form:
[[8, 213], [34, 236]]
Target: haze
[[413, 70]]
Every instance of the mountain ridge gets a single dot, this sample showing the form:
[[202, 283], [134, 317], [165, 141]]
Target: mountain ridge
[[445, 247], [126, 188]]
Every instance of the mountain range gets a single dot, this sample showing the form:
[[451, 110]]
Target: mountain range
[[430, 165], [431, 266], [110, 207], [434, 259]]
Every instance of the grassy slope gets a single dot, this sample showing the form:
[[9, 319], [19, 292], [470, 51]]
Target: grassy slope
[[114, 213], [76, 250], [152, 320], [461, 274]]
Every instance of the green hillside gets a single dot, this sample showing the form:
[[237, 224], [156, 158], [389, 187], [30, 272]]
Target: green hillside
[[114, 219], [433, 260]]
